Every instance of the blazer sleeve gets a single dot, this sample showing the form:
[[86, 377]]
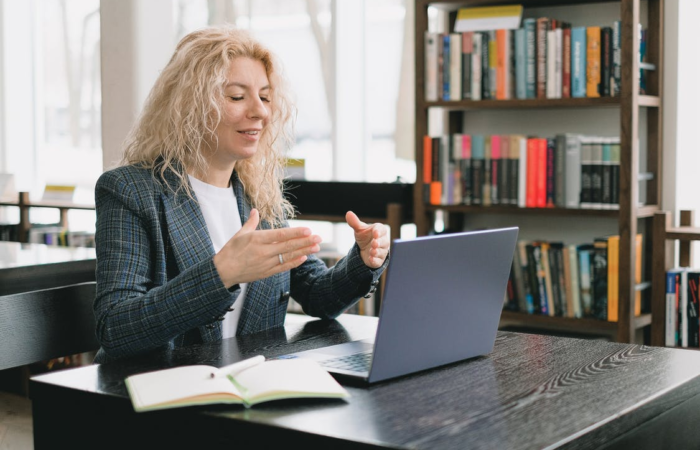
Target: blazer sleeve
[[327, 293], [132, 312]]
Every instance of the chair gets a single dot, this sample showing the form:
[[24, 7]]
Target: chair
[[46, 324]]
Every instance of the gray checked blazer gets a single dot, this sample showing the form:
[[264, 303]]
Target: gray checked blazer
[[157, 286]]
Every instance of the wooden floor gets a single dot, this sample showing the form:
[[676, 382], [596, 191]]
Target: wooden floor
[[15, 422]]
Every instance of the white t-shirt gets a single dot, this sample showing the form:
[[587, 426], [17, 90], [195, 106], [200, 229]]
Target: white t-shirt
[[220, 210]]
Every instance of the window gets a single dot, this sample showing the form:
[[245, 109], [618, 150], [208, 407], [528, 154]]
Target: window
[[51, 92]]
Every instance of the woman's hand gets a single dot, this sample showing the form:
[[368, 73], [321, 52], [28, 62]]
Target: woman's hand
[[373, 240], [252, 255]]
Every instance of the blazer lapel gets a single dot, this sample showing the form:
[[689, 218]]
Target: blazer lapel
[[187, 232]]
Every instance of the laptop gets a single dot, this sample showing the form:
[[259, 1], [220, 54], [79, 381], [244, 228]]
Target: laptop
[[442, 303]]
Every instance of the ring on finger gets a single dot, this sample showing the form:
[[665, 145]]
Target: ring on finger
[[279, 255]]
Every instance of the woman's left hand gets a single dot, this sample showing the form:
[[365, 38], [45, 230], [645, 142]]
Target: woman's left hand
[[373, 240]]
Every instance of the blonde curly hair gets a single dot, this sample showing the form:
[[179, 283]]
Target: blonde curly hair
[[185, 106]]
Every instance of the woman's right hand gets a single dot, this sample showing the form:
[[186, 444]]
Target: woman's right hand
[[252, 254]]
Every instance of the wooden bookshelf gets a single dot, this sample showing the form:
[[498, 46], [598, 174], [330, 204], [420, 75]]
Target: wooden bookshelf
[[631, 218], [24, 205], [663, 259]]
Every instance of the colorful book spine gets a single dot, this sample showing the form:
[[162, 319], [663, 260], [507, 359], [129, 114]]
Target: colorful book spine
[[466, 169], [566, 63], [501, 64], [541, 181], [606, 181], [495, 169], [522, 171], [613, 277], [446, 53], [530, 26], [575, 285], [520, 64], [586, 172], [476, 66], [617, 58], [584, 254], [467, 47], [485, 66], [693, 324], [477, 169], [551, 83], [606, 61], [493, 64], [599, 282], [455, 67], [551, 172], [578, 62], [572, 196], [673, 280], [593, 54], [532, 172], [597, 173], [431, 67], [542, 26], [615, 173], [486, 193], [559, 171]]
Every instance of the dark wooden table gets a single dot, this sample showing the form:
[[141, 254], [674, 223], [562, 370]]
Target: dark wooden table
[[531, 392], [30, 267]]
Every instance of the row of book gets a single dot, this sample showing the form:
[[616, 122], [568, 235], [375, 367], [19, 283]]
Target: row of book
[[682, 323], [565, 171], [559, 280], [59, 236], [546, 58]]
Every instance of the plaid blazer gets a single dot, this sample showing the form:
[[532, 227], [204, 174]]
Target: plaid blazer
[[157, 286]]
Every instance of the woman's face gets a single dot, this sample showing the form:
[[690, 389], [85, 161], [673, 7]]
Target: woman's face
[[245, 113]]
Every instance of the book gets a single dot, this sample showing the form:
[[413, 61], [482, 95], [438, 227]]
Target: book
[[467, 46], [606, 69], [585, 277], [613, 277], [673, 281], [616, 58], [578, 62], [593, 54], [446, 66], [431, 67], [476, 66], [247, 382], [599, 278], [541, 28], [521, 68], [577, 310], [572, 177], [693, 324], [455, 67], [530, 58], [486, 18], [566, 63]]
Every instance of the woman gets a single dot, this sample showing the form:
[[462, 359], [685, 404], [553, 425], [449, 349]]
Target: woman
[[192, 239]]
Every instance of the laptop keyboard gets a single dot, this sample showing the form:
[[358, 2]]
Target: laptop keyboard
[[358, 362]]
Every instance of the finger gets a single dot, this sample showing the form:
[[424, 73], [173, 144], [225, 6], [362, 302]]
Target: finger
[[283, 234], [304, 251], [252, 222], [355, 222], [293, 245]]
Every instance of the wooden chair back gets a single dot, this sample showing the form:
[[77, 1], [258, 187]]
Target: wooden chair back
[[46, 324]]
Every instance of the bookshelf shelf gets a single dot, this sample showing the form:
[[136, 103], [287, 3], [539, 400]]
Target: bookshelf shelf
[[566, 324], [642, 100], [24, 205], [631, 218]]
